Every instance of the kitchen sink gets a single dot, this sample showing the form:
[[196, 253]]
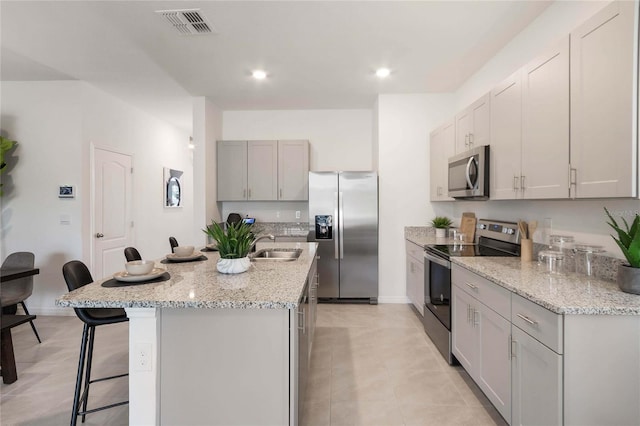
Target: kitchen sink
[[276, 254]]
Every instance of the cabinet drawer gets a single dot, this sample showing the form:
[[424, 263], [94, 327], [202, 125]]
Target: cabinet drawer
[[540, 323], [414, 250], [496, 297]]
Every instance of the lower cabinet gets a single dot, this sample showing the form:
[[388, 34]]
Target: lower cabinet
[[481, 342], [415, 276], [537, 382]]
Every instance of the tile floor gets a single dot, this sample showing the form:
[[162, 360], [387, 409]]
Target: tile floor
[[371, 365]]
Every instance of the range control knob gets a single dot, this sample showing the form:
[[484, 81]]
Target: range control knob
[[481, 226], [511, 231]]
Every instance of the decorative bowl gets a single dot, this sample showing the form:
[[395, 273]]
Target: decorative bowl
[[139, 267], [183, 251]]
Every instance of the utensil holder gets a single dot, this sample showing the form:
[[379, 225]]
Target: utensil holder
[[526, 250]]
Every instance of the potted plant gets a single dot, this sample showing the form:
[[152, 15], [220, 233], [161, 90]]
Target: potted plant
[[233, 245], [5, 145], [441, 223], [629, 242]]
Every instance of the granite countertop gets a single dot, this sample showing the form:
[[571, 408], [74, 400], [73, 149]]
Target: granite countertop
[[266, 285], [568, 294]]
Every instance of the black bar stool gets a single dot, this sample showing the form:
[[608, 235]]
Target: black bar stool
[[132, 253], [77, 275], [173, 243]]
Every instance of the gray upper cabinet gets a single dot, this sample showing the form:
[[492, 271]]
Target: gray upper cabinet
[[293, 170], [232, 170], [603, 96], [263, 170], [473, 125]]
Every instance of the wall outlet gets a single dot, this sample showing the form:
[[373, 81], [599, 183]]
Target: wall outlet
[[297, 214], [143, 356]]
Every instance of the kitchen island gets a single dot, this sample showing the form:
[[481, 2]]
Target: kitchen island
[[209, 348]]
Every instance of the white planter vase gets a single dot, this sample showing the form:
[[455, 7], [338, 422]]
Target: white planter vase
[[233, 266], [441, 232]]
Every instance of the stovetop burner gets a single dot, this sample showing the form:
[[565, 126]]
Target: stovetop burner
[[493, 238]]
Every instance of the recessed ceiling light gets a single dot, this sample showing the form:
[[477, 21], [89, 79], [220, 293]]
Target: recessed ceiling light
[[383, 72], [259, 75]]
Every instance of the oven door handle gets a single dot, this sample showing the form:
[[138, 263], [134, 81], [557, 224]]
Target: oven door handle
[[439, 261]]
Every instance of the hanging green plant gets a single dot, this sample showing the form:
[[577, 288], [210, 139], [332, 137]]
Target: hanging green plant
[[5, 145]]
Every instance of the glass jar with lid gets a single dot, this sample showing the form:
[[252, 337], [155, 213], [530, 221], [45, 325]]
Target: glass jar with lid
[[561, 242], [552, 261], [584, 257]]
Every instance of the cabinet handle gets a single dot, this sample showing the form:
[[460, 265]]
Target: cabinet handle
[[530, 321], [515, 183], [475, 318], [249, 192], [514, 345], [573, 181], [509, 347], [470, 140], [301, 321], [522, 182], [280, 192], [468, 313], [244, 193], [466, 140], [471, 286]]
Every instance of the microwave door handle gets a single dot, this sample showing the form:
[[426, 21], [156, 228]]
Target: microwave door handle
[[467, 173]]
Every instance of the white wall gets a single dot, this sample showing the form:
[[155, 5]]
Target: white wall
[[56, 124], [339, 139], [585, 219], [404, 123]]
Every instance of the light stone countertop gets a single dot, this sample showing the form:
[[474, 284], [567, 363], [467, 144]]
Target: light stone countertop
[[569, 294], [266, 285]]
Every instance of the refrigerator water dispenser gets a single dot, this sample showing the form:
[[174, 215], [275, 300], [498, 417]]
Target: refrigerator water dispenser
[[324, 229]]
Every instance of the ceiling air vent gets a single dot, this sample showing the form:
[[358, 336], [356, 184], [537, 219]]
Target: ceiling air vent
[[187, 21]]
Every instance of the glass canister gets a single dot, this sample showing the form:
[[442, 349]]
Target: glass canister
[[584, 257], [561, 242], [552, 261]]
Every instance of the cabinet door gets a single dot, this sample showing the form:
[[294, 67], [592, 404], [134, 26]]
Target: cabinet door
[[537, 382], [464, 320], [262, 170], [442, 146], [464, 125], [481, 129], [415, 283], [545, 124], [603, 72], [232, 170], [506, 139], [293, 170], [494, 366]]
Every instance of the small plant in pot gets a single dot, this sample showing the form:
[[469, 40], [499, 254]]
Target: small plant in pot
[[629, 242], [441, 223], [233, 245]]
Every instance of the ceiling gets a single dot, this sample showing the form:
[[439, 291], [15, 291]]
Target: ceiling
[[317, 54]]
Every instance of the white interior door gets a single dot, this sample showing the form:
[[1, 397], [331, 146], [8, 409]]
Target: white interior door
[[112, 211]]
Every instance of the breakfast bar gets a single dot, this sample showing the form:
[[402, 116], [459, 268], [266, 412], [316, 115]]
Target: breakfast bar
[[204, 347]]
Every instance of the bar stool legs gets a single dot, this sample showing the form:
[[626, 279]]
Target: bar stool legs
[[83, 380]]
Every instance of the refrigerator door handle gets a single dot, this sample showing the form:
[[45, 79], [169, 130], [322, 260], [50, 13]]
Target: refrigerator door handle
[[335, 234], [341, 223]]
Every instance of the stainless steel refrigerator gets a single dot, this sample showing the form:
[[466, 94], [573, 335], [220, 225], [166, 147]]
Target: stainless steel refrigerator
[[343, 220]]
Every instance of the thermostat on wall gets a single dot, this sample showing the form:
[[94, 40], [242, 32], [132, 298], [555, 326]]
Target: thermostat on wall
[[66, 191]]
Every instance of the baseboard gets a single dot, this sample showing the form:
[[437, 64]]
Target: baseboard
[[52, 311], [393, 299]]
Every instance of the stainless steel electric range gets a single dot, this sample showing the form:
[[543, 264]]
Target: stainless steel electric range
[[493, 238]]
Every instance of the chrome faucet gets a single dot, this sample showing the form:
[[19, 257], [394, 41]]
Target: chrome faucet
[[262, 237]]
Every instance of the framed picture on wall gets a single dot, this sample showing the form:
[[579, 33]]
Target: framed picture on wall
[[173, 189]]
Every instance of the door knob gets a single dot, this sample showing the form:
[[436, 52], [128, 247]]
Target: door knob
[[99, 235]]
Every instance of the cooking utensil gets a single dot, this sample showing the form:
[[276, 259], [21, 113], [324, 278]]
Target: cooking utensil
[[468, 228], [533, 225]]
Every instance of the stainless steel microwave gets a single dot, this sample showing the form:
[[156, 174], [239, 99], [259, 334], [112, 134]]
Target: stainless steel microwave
[[469, 174]]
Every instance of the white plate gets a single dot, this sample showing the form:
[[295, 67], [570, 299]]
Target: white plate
[[212, 246], [125, 276], [172, 257]]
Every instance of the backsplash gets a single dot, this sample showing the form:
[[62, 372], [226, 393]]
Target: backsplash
[[282, 229]]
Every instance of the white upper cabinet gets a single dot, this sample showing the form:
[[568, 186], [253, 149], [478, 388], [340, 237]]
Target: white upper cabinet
[[603, 97], [442, 142], [262, 170], [473, 125], [545, 124], [506, 139], [232, 170], [293, 170]]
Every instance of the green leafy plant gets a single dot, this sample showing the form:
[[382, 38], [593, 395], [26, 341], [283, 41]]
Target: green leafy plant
[[235, 243], [5, 145], [628, 239], [441, 222]]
